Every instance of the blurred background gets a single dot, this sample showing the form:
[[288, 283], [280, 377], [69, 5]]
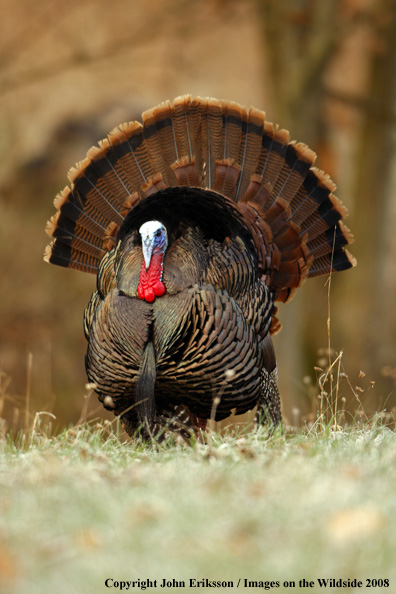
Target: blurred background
[[71, 71]]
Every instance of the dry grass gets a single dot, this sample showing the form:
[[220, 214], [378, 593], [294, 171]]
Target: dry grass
[[82, 507]]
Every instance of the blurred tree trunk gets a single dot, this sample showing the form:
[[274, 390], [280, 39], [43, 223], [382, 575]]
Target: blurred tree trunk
[[372, 286], [299, 41]]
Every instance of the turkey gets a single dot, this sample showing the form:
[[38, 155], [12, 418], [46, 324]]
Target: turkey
[[196, 222]]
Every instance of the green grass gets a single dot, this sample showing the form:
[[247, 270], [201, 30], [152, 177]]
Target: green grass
[[82, 507]]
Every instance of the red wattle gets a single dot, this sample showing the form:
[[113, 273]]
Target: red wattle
[[150, 284], [149, 295], [159, 288]]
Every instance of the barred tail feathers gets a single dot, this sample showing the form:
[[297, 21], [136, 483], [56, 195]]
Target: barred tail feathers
[[286, 203]]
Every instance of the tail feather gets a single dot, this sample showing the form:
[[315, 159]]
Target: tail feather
[[274, 146], [94, 221], [181, 127], [64, 230], [336, 261], [287, 205], [160, 141], [107, 164], [129, 153], [62, 254], [144, 388], [92, 192], [324, 244], [250, 149], [227, 174], [235, 118], [195, 116], [298, 160], [213, 129], [208, 138]]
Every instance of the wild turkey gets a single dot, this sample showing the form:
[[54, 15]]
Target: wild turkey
[[196, 222]]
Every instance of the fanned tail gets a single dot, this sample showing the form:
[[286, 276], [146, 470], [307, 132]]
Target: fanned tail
[[287, 205]]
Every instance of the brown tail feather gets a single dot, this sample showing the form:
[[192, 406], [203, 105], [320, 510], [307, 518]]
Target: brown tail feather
[[274, 145], [65, 232], [298, 160], [94, 221], [287, 204], [61, 254], [129, 153], [250, 149], [160, 142]]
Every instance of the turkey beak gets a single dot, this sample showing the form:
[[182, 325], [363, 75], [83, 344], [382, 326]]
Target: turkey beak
[[147, 247]]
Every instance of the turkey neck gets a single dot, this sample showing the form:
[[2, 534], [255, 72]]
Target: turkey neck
[[150, 281]]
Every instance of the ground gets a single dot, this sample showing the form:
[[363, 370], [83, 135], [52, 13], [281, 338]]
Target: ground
[[82, 508]]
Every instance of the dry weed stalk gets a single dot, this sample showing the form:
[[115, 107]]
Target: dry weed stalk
[[28, 389], [329, 411]]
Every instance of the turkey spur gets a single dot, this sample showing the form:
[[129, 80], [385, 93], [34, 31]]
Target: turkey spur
[[196, 222]]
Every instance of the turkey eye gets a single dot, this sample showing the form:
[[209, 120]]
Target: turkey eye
[[158, 233]]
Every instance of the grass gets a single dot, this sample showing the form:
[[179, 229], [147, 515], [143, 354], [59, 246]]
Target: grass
[[82, 507]]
